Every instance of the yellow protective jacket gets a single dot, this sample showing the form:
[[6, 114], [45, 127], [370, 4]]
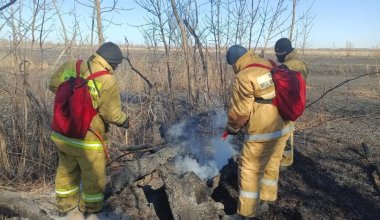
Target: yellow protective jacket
[[293, 62], [261, 120], [107, 103]]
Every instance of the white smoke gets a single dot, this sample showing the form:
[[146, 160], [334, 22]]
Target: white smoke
[[185, 164], [203, 154]]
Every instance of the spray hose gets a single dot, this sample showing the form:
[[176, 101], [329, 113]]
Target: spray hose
[[102, 141]]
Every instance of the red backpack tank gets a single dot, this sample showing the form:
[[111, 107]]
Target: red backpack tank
[[290, 89], [73, 109]]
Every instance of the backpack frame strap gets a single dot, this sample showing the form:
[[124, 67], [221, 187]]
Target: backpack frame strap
[[92, 76], [273, 63], [77, 67]]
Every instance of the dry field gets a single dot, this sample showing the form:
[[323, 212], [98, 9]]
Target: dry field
[[332, 177]]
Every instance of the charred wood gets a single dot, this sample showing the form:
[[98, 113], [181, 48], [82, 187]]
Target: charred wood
[[189, 197], [133, 170]]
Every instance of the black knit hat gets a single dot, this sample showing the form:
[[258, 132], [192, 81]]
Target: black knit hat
[[234, 53], [283, 46], [111, 53]]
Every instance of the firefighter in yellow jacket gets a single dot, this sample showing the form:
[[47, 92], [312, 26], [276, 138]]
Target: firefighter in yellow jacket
[[81, 168], [287, 55], [265, 131]]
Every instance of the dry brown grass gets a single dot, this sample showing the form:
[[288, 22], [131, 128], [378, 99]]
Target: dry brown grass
[[28, 154]]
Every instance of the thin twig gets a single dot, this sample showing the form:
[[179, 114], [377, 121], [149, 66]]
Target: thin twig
[[339, 85], [340, 119]]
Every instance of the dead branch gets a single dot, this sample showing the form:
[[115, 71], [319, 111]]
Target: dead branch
[[134, 69], [128, 149], [339, 85], [133, 148], [339, 119], [7, 5], [138, 72]]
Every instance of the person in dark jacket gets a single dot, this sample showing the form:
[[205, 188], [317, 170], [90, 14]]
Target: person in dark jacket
[[288, 56]]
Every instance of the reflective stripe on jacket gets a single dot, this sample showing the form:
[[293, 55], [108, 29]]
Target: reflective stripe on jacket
[[269, 136]]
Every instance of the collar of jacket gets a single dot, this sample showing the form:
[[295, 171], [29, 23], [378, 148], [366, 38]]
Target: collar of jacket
[[97, 59], [249, 58], [291, 55]]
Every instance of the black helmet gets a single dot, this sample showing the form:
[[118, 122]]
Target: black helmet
[[283, 46], [111, 53], [234, 53]]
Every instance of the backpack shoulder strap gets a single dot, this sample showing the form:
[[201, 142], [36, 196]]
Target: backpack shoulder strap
[[273, 63], [92, 76], [97, 74], [258, 65], [77, 67], [283, 66]]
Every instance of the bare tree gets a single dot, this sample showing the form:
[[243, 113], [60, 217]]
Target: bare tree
[[253, 19], [307, 25], [238, 14], [154, 7], [216, 27], [274, 23], [102, 12], [190, 81], [64, 31], [99, 21], [192, 30], [293, 23]]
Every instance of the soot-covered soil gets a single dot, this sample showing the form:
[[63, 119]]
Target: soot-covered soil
[[332, 176]]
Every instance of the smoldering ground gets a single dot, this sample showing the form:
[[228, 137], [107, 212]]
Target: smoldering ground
[[202, 150]]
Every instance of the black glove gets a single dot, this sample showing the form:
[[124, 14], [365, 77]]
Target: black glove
[[125, 124]]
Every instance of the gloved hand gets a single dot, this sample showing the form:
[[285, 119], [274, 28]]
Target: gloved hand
[[226, 133], [125, 124]]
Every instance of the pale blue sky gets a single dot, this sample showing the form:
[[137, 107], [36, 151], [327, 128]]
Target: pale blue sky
[[335, 22], [338, 21]]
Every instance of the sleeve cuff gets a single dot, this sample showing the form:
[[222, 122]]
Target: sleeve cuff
[[231, 130]]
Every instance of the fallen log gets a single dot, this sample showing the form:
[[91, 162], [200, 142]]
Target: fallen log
[[23, 205], [189, 197], [133, 170]]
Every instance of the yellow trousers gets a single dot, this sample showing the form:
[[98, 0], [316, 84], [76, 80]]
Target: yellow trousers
[[288, 155], [80, 178], [258, 174]]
